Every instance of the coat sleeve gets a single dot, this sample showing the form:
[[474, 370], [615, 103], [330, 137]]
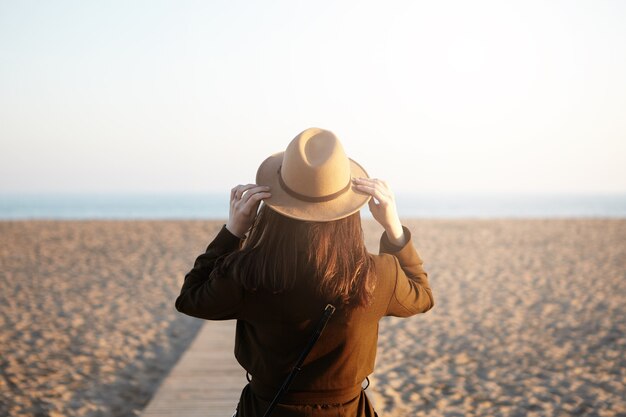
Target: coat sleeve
[[411, 293], [205, 293]]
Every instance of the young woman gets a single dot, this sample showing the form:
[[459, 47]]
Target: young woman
[[293, 243]]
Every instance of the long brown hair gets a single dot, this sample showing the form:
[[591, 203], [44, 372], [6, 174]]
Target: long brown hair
[[280, 250]]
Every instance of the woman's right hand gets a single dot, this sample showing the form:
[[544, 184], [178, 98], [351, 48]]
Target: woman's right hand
[[383, 207], [244, 203]]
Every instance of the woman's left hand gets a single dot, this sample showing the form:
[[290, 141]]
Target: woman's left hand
[[383, 207], [244, 203]]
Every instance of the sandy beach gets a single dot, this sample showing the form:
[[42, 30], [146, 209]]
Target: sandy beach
[[530, 318]]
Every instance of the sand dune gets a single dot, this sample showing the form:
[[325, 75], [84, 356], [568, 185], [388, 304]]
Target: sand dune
[[530, 318]]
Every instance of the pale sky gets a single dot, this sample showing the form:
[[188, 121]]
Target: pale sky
[[433, 96]]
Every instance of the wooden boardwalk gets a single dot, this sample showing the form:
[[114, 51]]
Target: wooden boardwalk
[[206, 381]]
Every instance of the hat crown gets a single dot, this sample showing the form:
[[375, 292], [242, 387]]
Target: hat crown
[[315, 164]]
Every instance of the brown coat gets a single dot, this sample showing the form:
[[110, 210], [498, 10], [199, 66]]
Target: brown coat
[[272, 329]]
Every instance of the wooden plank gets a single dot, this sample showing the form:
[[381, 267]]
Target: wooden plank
[[206, 381]]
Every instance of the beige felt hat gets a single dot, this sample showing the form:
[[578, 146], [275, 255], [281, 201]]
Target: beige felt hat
[[312, 179]]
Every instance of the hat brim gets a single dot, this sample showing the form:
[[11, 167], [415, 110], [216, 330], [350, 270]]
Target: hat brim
[[342, 206]]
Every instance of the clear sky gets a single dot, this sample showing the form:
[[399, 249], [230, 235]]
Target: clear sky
[[434, 96]]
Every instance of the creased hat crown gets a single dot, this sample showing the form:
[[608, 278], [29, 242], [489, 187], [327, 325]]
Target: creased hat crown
[[315, 164]]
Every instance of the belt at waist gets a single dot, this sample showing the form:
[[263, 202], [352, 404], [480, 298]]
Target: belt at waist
[[335, 396]]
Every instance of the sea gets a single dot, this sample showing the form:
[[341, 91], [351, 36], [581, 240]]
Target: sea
[[215, 206]]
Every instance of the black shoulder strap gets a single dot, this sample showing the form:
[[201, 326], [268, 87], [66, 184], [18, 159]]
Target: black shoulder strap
[[328, 312]]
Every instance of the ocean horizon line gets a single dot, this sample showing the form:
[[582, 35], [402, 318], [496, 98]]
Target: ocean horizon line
[[213, 205]]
